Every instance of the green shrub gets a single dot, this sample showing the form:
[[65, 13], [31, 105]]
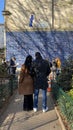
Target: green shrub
[[65, 79], [71, 93]]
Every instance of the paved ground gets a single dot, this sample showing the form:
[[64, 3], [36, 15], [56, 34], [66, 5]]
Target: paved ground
[[14, 118]]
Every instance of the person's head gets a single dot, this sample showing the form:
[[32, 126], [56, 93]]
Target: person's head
[[53, 60], [13, 58], [28, 60], [38, 55]]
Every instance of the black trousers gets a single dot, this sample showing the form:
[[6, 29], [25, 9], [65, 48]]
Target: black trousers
[[13, 70], [28, 102]]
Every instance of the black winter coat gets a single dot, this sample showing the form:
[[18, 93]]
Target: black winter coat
[[41, 71]]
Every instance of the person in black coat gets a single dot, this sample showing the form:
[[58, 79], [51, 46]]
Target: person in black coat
[[41, 71], [13, 65]]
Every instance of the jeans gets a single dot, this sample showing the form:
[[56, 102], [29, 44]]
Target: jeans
[[44, 98]]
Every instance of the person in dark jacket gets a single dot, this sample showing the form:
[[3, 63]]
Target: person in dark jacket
[[42, 70], [13, 65]]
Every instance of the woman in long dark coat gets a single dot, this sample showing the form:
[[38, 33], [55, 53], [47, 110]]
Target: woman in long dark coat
[[26, 84]]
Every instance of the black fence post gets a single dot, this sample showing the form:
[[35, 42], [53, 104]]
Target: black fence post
[[11, 85]]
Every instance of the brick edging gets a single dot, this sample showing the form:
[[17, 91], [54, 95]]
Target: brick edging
[[60, 119]]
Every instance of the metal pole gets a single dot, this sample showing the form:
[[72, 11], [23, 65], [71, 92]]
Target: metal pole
[[4, 41], [4, 32], [52, 14], [5, 13]]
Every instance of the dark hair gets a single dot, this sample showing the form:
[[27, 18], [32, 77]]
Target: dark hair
[[38, 55], [28, 62]]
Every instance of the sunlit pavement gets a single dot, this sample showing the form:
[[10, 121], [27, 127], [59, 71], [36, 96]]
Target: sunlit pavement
[[14, 118]]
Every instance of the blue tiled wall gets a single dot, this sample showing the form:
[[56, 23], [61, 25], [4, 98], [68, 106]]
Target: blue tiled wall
[[50, 44]]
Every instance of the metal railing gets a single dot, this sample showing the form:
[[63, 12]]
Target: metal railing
[[7, 87]]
